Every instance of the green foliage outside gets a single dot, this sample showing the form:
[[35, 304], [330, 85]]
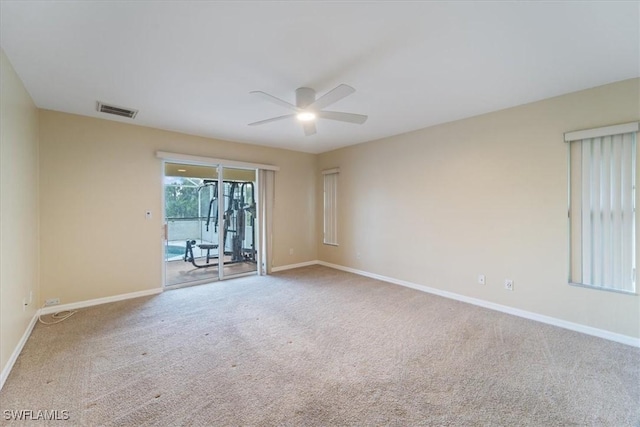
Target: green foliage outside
[[181, 201]]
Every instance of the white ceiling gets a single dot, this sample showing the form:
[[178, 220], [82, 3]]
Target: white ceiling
[[189, 66]]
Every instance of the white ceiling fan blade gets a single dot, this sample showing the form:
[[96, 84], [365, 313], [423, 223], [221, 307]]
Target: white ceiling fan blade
[[331, 97], [275, 119], [343, 117], [309, 128], [275, 100]]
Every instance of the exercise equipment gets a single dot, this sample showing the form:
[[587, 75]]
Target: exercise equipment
[[239, 201]]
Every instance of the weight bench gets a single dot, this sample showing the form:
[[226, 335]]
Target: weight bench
[[188, 254]]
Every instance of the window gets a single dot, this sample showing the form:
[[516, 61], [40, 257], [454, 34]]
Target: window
[[330, 206], [602, 207]]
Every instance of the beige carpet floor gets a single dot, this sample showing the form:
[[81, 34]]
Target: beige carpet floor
[[318, 347]]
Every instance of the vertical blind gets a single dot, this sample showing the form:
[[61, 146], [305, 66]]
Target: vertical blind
[[603, 211], [330, 206]]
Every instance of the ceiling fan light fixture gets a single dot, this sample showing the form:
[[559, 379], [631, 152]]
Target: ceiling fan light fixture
[[306, 116]]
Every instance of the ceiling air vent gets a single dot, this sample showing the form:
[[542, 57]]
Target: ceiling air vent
[[118, 111]]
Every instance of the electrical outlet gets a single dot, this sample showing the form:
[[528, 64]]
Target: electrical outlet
[[290, 251], [358, 255], [481, 279], [30, 297], [52, 301], [508, 285]]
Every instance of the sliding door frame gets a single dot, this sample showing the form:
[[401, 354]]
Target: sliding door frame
[[220, 165]]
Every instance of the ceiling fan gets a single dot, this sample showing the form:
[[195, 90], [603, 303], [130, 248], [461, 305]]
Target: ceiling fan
[[308, 108]]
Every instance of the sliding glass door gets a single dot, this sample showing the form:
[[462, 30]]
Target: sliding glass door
[[211, 220]]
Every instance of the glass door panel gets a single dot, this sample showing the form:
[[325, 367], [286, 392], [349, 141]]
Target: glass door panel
[[238, 213], [191, 224]]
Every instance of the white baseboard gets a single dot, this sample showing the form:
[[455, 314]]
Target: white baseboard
[[88, 303], [16, 351], [291, 266], [601, 333]]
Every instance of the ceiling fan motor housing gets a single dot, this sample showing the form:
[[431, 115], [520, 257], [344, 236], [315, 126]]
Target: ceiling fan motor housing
[[305, 96]]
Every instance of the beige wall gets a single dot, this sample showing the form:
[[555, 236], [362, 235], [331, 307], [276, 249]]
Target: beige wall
[[484, 195], [98, 178], [18, 209]]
